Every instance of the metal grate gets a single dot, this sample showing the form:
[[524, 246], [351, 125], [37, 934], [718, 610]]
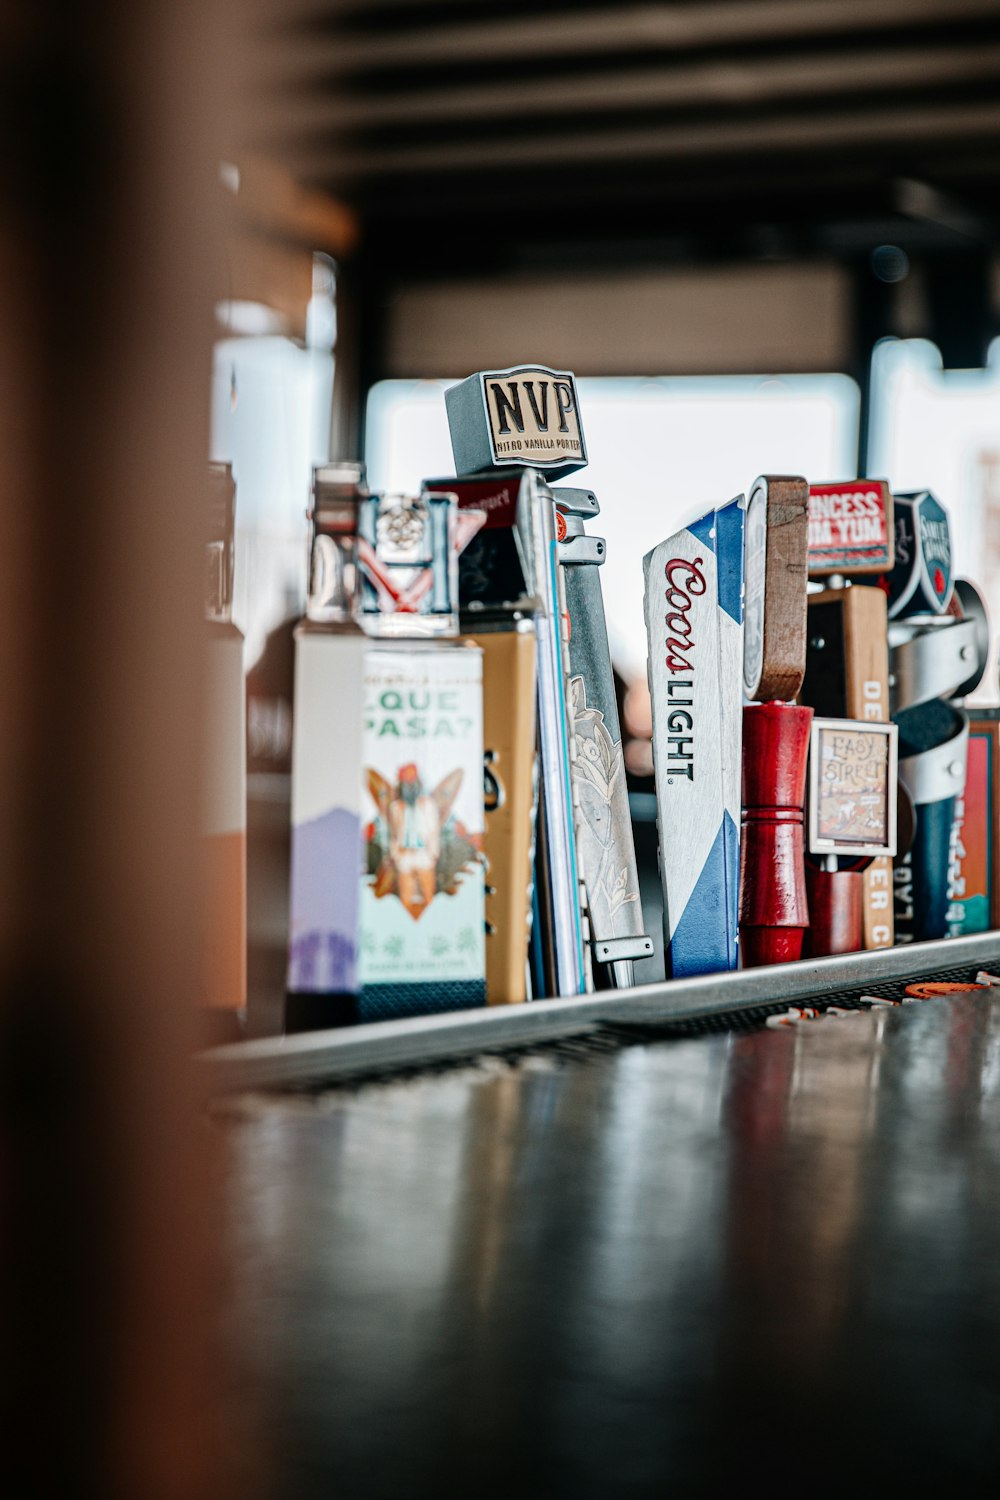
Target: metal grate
[[753, 1017], [585, 1047], [585, 1027], [610, 1037]]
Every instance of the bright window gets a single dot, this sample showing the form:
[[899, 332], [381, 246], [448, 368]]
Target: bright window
[[271, 398], [939, 429], [662, 452]]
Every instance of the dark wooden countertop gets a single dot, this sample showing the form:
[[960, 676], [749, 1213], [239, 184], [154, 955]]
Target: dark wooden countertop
[[657, 1268]]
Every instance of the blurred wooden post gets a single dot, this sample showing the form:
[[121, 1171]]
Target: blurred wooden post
[[107, 205]]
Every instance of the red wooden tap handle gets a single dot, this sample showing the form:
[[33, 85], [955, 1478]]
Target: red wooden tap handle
[[773, 910], [836, 906]]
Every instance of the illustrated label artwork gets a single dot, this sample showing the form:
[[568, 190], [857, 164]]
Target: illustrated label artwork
[[850, 527], [921, 579], [851, 775], [935, 544], [422, 899]]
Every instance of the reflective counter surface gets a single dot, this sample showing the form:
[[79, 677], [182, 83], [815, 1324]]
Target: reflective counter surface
[[656, 1268]]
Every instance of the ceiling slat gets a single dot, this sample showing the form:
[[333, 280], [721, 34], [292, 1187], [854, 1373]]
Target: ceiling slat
[[614, 28], [865, 129], [637, 107], [724, 84]]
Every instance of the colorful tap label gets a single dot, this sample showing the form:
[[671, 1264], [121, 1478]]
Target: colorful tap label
[[408, 551], [527, 416], [973, 897], [852, 787], [921, 580], [850, 527], [423, 886]]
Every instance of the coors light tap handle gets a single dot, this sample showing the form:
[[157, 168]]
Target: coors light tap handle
[[773, 910], [694, 626]]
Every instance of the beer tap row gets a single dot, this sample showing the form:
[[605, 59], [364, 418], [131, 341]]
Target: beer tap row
[[460, 824]]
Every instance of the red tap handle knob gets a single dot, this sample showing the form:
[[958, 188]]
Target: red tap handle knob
[[773, 910]]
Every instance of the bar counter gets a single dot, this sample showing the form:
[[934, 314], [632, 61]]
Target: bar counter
[[628, 1263]]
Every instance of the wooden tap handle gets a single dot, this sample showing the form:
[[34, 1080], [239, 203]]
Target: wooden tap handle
[[775, 755], [836, 903], [777, 534], [773, 909]]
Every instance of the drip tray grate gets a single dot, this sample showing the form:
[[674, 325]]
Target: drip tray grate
[[586, 1027], [751, 1018], [609, 1037]]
